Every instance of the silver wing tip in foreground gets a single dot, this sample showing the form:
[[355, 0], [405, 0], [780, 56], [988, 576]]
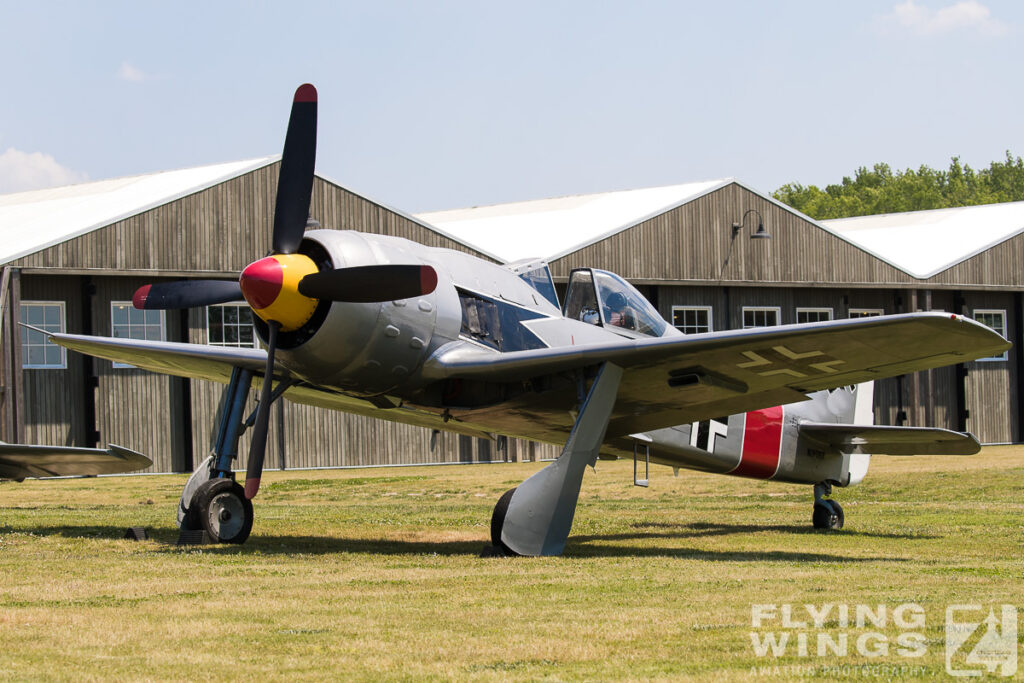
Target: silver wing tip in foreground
[[21, 461]]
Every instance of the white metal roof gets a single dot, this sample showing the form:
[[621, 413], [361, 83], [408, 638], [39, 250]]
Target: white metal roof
[[35, 220], [924, 243], [551, 228]]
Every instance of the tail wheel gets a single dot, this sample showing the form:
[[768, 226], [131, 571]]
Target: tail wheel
[[221, 509]]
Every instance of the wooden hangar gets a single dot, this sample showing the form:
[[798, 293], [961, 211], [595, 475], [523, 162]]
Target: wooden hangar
[[73, 256]]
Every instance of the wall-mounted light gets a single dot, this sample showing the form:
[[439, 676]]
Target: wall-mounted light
[[759, 234]]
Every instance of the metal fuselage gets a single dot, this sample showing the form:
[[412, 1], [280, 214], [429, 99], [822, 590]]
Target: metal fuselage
[[768, 444], [378, 351]]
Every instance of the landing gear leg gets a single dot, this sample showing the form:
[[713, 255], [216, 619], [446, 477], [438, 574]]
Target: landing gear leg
[[212, 501], [535, 517], [828, 513]]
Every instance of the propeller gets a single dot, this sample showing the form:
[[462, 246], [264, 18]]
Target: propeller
[[294, 193], [285, 288], [186, 294], [295, 181]]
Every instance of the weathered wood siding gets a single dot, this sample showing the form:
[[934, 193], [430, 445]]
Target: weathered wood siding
[[135, 408], [992, 392], [53, 409], [220, 229], [693, 243], [999, 266]]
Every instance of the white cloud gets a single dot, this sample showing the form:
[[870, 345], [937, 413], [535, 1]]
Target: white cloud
[[130, 72], [21, 171], [967, 15]]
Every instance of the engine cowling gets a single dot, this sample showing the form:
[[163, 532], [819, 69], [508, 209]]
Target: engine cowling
[[368, 348]]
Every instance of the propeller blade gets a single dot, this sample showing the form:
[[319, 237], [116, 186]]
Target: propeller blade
[[258, 448], [295, 181], [186, 294], [369, 284]]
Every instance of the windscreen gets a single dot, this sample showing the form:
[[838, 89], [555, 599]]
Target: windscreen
[[623, 306], [540, 279]]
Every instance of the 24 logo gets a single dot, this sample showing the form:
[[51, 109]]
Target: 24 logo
[[977, 643]]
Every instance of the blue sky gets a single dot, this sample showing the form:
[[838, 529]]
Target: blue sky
[[434, 105]]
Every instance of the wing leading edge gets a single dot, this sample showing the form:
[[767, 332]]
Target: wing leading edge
[[170, 358]]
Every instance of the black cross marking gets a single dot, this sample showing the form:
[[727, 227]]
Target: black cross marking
[[766, 362]]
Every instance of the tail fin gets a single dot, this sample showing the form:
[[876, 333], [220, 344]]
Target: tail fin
[[864, 407], [863, 414], [852, 404]]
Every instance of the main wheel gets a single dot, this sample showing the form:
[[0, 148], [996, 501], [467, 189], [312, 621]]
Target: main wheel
[[828, 514], [498, 522], [221, 509]]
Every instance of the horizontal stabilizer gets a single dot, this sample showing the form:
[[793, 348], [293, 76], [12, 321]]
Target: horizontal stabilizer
[[19, 461], [883, 440]]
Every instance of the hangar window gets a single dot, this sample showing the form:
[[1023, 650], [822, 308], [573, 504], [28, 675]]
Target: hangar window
[[996, 319], [128, 322], [761, 316], [230, 325], [866, 312], [37, 351], [692, 319], [813, 315]]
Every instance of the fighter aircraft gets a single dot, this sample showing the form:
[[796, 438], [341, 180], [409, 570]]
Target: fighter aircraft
[[381, 326], [22, 461]]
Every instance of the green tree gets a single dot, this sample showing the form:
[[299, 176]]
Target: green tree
[[881, 190]]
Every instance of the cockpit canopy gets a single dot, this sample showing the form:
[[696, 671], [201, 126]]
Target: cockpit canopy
[[602, 298], [536, 274]]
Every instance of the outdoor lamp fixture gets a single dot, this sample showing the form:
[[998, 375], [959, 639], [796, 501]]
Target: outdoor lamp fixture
[[759, 234]]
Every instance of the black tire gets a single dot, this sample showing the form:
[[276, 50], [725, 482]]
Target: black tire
[[190, 518], [825, 516], [221, 509], [498, 521]]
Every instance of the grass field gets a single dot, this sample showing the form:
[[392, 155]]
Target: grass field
[[375, 573]]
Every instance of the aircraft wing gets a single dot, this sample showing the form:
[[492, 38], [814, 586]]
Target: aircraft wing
[[18, 461], [667, 381], [674, 380], [892, 440], [215, 363], [170, 358]]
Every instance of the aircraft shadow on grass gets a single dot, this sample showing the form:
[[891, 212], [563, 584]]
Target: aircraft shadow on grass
[[700, 529], [580, 546]]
